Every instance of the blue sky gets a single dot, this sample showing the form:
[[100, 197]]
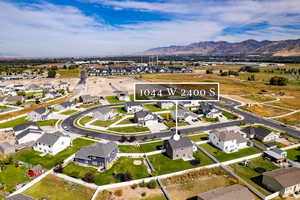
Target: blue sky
[[39, 28]]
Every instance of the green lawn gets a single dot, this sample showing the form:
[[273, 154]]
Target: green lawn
[[54, 188], [129, 120], [153, 108], [14, 122], [294, 154], [222, 156], [198, 137], [210, 119], [152, 146], [122, 165], [49, 122], [89, 105], [4, 107], [129, 149], [12, 176], [69, 112], [163, 164], [32, 157], [120, 109], [85, 120], [250, 175], [105, 123], [229, 115], [113, 99], [258, 98], [129, 129], [69, 73]]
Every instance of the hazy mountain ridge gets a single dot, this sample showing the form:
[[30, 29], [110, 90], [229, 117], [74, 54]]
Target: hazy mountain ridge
[[247, 47]]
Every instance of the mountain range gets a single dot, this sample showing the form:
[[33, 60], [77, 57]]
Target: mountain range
[[247, 47]]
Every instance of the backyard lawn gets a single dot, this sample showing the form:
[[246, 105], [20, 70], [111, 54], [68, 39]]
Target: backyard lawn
[[85, 120], [112, 175], [222, 156], [129, 149], [69, 112], [163, 164], [12, 176], [113, 100], [294, 154], [151, 146], [105, 123], [54, 188], [250, 175], [49, 122], [14, 122], [129, 129], [4, 107], [32, 157]]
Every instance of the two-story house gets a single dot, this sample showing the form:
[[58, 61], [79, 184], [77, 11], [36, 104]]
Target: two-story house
[[179, 148], [133, 107]]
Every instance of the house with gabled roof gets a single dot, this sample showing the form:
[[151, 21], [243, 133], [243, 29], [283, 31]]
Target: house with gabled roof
[[99, 154], [165, 104], [38, 114], [133, 107], [122, 95], [145, 118], [184, 115], [260, 133], [104, 114], [52, 143], [63, 106], [179, 148], [27, 134], [88, 99]]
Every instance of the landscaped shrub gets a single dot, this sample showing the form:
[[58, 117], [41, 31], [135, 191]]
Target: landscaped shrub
[[134, 186], [152, 184], [89, 177]]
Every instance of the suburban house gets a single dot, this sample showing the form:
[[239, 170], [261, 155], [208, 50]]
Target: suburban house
[[145, 118], [14, 99], [209, 111], [184, 115], [28, 135], [33, 88], [88, 99], [104, 114], [186, 104], [7, 148], [179, 148], [19, 87], [99, 154], [63, 85], [19, 197], [122, 95], [47, 86], [260, 133], [275, 154], [133, 107], [52, 143], [284, 180], [227, 140], [38, 114], [51, 94], [228, 193], [63, 106], [165, 104]]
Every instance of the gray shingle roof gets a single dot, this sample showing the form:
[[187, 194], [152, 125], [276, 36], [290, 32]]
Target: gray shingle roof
[[41, 110], [50, 138], [286, 177], [99, 150], [27, 131], [5, 145], [19, 197], [227, 135], [66, 104], [129, 104], [23, 126], [263, 132], [103, 110], [182, 142]]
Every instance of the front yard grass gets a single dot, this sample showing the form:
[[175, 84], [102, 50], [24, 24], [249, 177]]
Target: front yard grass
[[121, 166], [229, 115], [4, 107], [113, 99], [69, 112], [105, 123], [49, 122], [12, 176], [222, 156], [85, 120], [120, 109], [129, 129], [153, 108], [151, 146], [199, 137], [48, 161], [129, 120], [250, 175], [163, 164], [52, 187], [14, 122], [129, 149]]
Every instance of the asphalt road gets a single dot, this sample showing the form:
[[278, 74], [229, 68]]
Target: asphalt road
[[68, 124]]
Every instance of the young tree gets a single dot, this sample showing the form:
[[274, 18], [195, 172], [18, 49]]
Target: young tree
[[89, 177]]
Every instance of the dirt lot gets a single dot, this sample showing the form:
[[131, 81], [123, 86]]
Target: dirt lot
[[264, 110]]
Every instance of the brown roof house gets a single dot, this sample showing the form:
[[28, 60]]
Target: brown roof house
[[286, 181], [228, 193]]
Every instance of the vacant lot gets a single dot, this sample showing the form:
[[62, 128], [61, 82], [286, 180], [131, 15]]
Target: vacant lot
[[33, 157], [222, 156], [163, 164], [293, 119], [250, 174], [52, 187], [264, 110], [188, 185], [258, 97], [113, 175]]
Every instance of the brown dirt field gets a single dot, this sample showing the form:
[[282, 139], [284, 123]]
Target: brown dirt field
[[242, 99], [129, 194], [264, 110], [293, 119]]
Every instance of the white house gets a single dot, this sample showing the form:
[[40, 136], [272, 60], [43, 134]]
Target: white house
[[122, 95], [133, 107], [38, 114], [186, 104], [27, 133], [63, 106], [63, 85], [227, 140], [52, 143], [145, 118], [165, 104], [184, 115], [104, 114]]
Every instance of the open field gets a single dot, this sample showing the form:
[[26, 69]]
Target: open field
[[69, 73], [222, 156], [163, 164], [258, 97], [293, 119], [33, 157], [112, 175], [264, 110], [250, 175], [52, 187], [189, 185]]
